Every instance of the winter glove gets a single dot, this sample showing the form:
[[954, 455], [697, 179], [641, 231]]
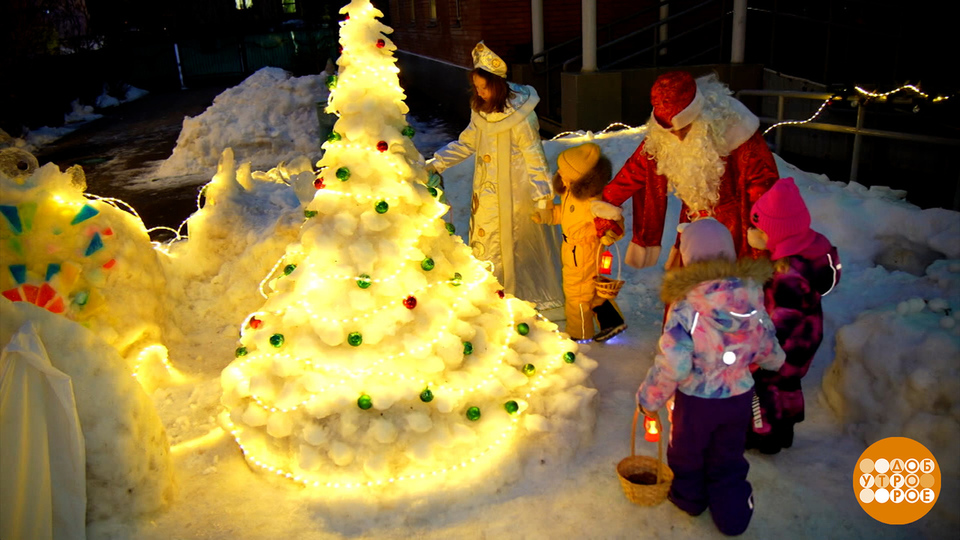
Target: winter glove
[[542, 216], [647, 412], [612, 231], [544, 212], [603, 225]]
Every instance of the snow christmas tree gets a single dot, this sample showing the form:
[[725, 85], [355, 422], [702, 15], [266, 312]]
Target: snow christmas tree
[[385, 353]]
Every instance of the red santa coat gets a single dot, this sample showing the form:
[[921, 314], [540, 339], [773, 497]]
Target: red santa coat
[[750, 171]]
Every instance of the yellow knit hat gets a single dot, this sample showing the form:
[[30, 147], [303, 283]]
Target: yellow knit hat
[[575, 162]]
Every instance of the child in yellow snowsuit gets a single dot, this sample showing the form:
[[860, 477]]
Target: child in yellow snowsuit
[[582, 173]]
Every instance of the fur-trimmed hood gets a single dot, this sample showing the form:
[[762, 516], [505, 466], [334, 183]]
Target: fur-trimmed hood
[[588, 186], [678, 282], [726, 295]]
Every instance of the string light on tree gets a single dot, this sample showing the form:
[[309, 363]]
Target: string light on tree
[[397, 364]]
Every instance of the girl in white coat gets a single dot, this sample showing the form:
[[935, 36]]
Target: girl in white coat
[[510, 180]]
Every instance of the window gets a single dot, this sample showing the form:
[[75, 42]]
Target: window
[[244, 4], [289, 7], [456, 20], [412, 11], [433, 13]]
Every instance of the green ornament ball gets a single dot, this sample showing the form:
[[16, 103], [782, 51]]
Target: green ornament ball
[[427, 264], [288, 269], [529, 369], [523, 329], [569, 357], [331, 82], [432, 191], [241, 351], [309, 213], [333, 137], [473, 414], [426, 396], [457, 279], [364, 281], [408, 131], [511, 407], [451, 228], [343, 174], [276, 340], [364, 402], [467, 348], [355, 339], [382, 207]]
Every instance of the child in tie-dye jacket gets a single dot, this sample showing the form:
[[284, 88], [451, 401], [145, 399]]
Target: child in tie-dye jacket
[[716, 328], [806, 268]]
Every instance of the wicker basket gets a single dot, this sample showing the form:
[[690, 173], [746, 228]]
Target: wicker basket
[[633, 466], [606, 287]]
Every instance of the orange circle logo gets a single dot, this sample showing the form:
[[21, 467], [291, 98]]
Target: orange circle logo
[[896, 480]]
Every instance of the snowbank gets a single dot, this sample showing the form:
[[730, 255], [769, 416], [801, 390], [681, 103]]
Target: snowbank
[[268, 118], [129, 470], [896, 374]]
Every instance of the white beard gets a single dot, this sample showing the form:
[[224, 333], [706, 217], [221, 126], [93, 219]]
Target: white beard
[[693, 167]]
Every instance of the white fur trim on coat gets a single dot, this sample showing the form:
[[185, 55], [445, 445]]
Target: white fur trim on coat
[[641, 257], [606, 210]]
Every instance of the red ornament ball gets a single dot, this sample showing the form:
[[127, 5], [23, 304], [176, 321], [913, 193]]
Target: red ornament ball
[[318, 183], [382, 146], [255, 323], [410, 302], [500, 293], [381, 43]]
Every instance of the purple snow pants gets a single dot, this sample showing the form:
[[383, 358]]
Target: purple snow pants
[[706, 448]]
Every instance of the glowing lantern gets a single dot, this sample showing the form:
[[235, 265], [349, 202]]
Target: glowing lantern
[[651, 431], [606, 262]]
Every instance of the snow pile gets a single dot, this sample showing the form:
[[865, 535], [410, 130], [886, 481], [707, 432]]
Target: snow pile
[[233, 243], [270, 117], [896, 374], [125, 92], [129, 471], [80, 113]]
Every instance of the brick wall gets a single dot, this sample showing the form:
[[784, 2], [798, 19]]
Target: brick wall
[[504, 25]]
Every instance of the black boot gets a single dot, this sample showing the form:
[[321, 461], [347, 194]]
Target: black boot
[[610, 321]]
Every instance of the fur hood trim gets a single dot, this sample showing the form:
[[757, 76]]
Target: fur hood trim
[[588, 186], [677, 283]]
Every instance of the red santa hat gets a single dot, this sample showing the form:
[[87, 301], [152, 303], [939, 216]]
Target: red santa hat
[[784, 217], [676, 100]]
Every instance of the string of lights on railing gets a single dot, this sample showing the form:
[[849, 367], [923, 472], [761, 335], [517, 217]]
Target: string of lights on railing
[[864, 96], [837, 97]]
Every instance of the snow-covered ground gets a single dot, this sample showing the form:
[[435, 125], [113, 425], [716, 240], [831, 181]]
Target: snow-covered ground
[[79, 115], [889, 365]]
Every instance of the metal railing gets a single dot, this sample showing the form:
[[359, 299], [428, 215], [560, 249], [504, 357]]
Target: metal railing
[[692, 26], [858, 131]]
